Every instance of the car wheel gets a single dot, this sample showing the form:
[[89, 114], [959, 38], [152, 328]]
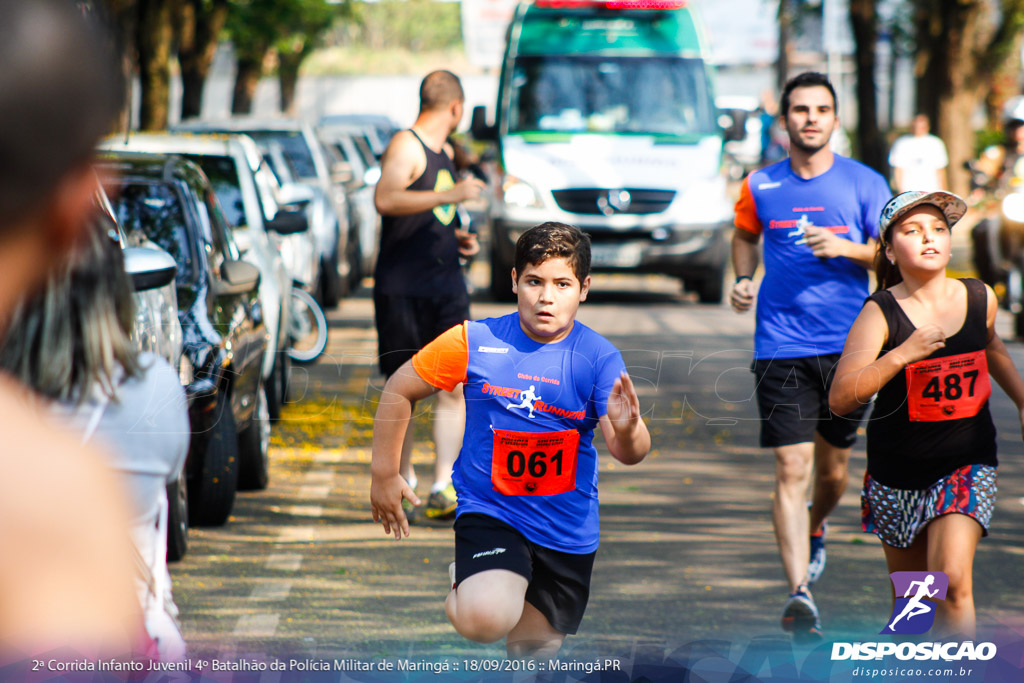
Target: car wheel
[[177, 518], [711, 288], [212, 493], [330, 282], [276, 385], [253, 447]]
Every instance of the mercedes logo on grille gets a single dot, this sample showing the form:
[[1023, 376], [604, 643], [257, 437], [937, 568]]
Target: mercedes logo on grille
[[615, 201]]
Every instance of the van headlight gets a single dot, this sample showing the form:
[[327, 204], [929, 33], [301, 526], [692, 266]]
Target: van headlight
[[520, 194], [1013, 207]]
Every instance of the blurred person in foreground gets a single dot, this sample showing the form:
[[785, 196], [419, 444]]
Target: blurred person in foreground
[[419, 291], [66, 565], [70, 342]]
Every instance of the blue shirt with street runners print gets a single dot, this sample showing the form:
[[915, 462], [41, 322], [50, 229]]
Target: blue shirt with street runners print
[[528, 457], [806, 305]]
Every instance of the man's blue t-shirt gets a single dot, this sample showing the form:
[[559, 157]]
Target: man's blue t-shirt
[[806, 305], [527, 405]]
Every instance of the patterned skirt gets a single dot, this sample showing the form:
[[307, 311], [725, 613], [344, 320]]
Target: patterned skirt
[[897, 516]]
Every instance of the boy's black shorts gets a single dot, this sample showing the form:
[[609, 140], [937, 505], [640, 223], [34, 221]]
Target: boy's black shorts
[[405, 324], [559, 582], [792, 397]]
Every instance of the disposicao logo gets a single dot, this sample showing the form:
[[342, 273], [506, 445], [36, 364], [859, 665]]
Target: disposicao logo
[[917, 596], [914, 612]]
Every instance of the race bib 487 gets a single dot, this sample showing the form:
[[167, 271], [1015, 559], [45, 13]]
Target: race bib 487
[[949, 388], [534, 463]]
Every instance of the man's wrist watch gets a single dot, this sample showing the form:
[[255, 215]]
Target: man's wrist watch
[[742, 277]]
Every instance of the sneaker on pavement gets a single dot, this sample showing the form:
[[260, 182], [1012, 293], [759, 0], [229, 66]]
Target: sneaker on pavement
[[816, 567], [412, 512], [800, 617], [441, 504]]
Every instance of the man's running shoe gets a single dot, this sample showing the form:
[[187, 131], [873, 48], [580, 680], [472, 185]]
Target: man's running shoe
[[441, 504], [800, 617], [816, 567]]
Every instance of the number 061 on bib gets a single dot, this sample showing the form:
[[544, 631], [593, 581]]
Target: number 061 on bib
[[534, 463]]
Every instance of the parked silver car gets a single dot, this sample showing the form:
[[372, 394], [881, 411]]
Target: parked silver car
[[234, 166], [327, 209]]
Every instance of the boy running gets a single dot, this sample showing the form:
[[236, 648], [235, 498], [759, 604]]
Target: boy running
[[527, 527]]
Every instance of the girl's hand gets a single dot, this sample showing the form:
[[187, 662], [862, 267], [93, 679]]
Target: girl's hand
[[925, 341]]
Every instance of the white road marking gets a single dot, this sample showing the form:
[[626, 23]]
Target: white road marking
[[257, 625]]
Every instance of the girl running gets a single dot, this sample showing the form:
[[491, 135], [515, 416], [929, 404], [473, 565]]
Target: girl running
[[926, 345]]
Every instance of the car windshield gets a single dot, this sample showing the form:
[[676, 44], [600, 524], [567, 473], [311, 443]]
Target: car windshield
[[579, 93], [155, 210], [224, 180], [296, 151]]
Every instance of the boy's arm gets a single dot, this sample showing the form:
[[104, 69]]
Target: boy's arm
[[387, 487], [623, 429]]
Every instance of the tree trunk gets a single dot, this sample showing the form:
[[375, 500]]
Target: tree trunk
[[785, 18], [962, 45], [864, 20], [155, 34], [199, 29], [250, 69], [126, 18], [288, 77]]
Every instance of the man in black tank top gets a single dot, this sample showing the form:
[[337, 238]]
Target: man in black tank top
[[418, 287]]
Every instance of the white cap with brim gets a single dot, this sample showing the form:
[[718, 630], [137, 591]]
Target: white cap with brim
[[951, 206]]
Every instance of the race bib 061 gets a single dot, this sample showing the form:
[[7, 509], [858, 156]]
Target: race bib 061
[[534, 463], [949, 388]]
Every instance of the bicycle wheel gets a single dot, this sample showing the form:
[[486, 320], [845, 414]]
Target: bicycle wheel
[[307, 328]]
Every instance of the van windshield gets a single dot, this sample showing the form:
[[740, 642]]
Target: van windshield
[[582, 93]]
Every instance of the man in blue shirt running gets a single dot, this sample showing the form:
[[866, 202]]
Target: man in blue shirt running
[[818, 213]]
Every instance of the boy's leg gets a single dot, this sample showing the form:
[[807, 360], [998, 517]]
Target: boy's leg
[[487, 606], [405, 467], [449, 426], [533, 637]]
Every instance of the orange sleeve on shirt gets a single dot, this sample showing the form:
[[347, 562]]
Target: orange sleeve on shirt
[[746, 210], [443, 363]]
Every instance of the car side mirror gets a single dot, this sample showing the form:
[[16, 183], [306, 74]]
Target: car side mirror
[[479, 128], [294, 194], [289, 222], [238, 277], [149, 267]]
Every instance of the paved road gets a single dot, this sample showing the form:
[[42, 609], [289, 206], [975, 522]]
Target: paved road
[[687, 547]]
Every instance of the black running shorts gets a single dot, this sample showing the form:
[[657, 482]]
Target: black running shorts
[[792, 397], [405, 324], [559, 582]]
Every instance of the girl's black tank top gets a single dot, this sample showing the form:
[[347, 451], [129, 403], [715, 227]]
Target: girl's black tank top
[[933, 418]]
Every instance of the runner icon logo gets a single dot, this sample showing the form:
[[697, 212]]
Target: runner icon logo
[[914, 612]]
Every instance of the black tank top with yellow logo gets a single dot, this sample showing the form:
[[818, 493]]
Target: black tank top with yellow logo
[[419, 253], [932, 418]]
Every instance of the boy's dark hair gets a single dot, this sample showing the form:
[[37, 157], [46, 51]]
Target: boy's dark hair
[[554, 240], [60, 91], [439, 89], [808, 79]]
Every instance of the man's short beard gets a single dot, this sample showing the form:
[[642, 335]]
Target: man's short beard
[[808, 149]]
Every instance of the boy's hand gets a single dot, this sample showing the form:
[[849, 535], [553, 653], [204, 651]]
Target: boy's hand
[[624, 405], [386, 496]]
